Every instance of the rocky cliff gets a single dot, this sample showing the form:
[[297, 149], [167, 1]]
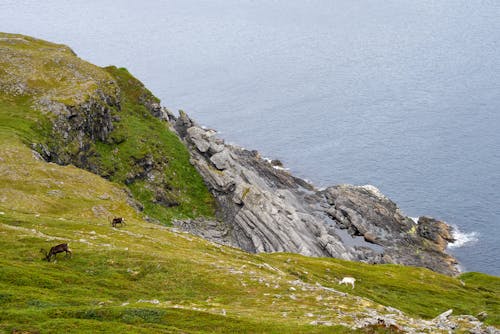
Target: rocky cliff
[[263, 208]]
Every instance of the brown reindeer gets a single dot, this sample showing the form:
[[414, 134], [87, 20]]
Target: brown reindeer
[[118, 220], [56, 249]]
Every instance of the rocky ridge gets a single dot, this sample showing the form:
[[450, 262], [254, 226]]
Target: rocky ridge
[[263, 208]]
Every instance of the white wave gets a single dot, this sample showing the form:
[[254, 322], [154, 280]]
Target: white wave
[[206, 128], [462, 238], [278, 167]]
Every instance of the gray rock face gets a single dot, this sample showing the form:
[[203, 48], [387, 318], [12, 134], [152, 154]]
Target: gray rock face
[[263, 208], [365, 212], [214, 231], [75, 128]]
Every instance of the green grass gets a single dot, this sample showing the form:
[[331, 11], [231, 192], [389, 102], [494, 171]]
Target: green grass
[[140, 136], [195, 281], [417, 291], [33, 71], [30, 66], [17, 118], [116, 275], [110, 267]]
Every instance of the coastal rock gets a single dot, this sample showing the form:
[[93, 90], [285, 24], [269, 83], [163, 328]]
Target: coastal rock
[[365, 212], [436, 231], [221, 160], [263, 208]]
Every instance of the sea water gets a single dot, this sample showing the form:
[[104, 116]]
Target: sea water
[[401, 94]]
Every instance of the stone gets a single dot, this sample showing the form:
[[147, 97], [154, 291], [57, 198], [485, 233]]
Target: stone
[[215, 231], [198, 138], [482, 315], [221, 160], [443, 316], [436, 231]]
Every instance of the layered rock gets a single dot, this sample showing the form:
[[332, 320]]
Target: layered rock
[[365, 212], [263, 208]]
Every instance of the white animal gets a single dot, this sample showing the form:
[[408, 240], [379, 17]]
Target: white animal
[[348, 280]]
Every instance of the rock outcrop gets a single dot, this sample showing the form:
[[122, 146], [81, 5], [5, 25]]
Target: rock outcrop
[[76, 128], [263, 208], [365, 212]]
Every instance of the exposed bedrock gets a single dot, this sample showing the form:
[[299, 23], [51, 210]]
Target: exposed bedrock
[[263, 208], [365, 212], [76, 128]]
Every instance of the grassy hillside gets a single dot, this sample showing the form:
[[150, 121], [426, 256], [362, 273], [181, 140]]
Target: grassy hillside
[[145, 277], [179, 192]]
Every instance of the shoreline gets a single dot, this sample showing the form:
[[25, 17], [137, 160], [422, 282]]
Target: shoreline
[[265, 208]]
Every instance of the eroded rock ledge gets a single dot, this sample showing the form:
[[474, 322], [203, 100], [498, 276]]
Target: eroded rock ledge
[[263, 208]]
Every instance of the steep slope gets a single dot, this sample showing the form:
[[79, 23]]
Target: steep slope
[[107, 122], [102, 120]]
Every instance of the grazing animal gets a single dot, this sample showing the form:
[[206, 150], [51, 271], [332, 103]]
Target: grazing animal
[[348, 280], [56, 249], [118, 220]]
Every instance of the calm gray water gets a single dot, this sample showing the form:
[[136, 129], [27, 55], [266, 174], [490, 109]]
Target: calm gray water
[[401, 94]]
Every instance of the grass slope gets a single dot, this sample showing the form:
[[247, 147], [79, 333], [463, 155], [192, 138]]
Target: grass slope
[[42, 204], [38, 80], [144, 277], [141, 135]]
